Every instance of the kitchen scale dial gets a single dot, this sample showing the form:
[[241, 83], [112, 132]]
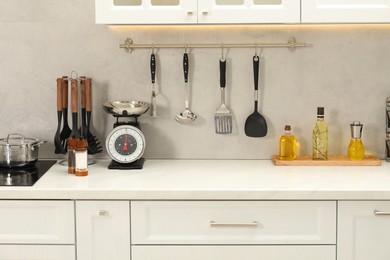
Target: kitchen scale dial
[[125, 144]]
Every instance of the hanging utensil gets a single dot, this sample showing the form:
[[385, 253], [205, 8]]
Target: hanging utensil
[[223, 116], [186, 117], [83, 124], [255, 124], [93, 142], [75, 108], [65, 132], [57, 140], [153, 77]]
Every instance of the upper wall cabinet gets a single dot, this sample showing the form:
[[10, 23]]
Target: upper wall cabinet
[[248, 11], [345, 11], [196, 11], [146, 11]]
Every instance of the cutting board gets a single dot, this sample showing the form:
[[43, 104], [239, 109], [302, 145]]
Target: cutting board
[[333, 160]]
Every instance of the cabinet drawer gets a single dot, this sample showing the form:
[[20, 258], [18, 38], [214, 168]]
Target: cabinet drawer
[[364, 230], [37, 252], [36, 222], [234, 252], [233, 222]]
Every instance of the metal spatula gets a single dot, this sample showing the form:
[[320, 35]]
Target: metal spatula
[[223, 116]]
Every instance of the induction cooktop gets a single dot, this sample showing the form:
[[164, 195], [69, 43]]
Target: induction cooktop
[[25, 176]]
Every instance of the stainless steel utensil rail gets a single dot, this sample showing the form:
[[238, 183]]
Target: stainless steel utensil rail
[[292, 44]]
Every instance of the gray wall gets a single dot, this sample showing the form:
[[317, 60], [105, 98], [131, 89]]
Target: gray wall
[[345, 68]]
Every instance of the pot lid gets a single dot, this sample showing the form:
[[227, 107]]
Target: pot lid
[[17, 139]]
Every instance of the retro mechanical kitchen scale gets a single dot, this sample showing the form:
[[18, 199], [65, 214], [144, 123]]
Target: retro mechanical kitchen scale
[[125, 143]]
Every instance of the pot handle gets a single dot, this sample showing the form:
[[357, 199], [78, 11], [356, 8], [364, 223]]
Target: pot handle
[[35, 144], [19, 136]]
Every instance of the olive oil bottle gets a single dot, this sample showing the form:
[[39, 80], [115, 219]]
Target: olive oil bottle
[[320, 137], [287, 145], [356, 148]]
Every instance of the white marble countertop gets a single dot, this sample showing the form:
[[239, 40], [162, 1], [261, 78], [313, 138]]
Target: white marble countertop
[[211, 180]]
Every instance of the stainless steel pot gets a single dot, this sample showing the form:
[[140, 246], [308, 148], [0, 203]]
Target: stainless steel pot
[[18, 151]]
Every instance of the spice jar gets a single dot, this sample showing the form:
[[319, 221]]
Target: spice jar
[[81, 155], [72, 142]]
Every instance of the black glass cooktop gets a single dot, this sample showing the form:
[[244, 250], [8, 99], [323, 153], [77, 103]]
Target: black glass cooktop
[[25, 176]]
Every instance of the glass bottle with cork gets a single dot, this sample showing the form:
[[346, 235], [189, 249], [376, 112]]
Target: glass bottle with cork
[[287, 145], [320, 137]]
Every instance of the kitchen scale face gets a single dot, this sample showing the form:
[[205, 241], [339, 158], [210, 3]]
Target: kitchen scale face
[[125, 144]]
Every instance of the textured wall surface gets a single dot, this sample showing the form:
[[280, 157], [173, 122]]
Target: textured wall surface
[[345, 68]]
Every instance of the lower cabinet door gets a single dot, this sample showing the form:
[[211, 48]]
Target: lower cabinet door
[[103, 230], [37, 252], [234, 252], [363, 230]]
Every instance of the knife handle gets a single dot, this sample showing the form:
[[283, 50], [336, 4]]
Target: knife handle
[[82, 91], [88, 95], [185, 67], [65, 92], [74, 96], [59, 94]]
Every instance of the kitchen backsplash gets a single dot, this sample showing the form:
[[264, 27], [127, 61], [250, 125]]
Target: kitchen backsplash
[[345, 68]]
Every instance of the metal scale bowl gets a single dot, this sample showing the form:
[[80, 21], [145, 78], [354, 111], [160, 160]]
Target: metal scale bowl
[[125, 143]]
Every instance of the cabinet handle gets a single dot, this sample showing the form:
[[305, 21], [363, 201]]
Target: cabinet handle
[[217, 224], [103, 213], [205, 12], [190, 12], [381, 213]]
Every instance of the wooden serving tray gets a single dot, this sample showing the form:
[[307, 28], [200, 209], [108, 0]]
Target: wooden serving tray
[[333, 160]]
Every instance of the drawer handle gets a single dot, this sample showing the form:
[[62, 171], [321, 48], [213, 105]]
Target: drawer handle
[[381, 213], [104, 213], [253, 224]]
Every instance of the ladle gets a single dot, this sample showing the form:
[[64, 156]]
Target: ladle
[[186, 117]]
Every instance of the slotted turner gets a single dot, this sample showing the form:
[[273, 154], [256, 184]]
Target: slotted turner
[[223, 116]]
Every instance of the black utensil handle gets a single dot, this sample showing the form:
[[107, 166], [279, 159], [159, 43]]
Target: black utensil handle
[[256, 62], [222, 73], [153, 67], [185, 67], [388, 119]]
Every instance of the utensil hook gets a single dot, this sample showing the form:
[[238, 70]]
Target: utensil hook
[[74, 75], [256, 51], [222, 49], [152, 48], [185, 48]]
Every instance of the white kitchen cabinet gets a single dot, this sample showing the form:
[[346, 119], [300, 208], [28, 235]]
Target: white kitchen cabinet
[[146, 11], [248, 11], [196, 11], [233, 222], [36, 230], [363, 230], [37, 252], [36, 222], [103, 230], [345, 11], [234, 252]]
